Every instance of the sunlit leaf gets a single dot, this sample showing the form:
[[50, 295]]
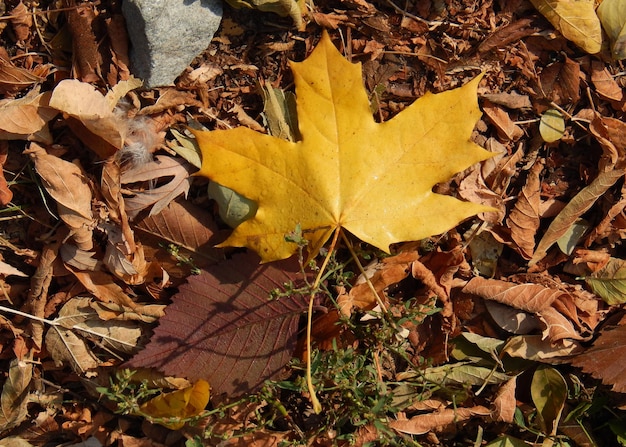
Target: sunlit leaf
[[177, 405], [609, 283], [575, 19], [612, 14], [549, 392], [552, 126], [373, 179]]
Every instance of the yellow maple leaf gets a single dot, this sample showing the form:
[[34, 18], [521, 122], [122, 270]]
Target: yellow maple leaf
[[372, 179]]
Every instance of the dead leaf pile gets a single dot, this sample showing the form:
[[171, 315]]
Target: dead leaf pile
[[471, 155]]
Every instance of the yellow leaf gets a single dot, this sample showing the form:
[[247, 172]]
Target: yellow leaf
[[373, 179], [179, 404], [612, 14], [575, 19]]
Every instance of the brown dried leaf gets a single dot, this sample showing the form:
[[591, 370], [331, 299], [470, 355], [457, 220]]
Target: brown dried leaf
[[605, 359], [21, 20], [505, 402], [533, 298], [524, 218], [507, 129], [156, 198], [67, 185], [185, 225], [26, 117], [6, 195], [222, 327], [15, 396], [385, 273], [83, 102], [580, 204], [605, 85], [100, 284], [14, 79], [438, 421]]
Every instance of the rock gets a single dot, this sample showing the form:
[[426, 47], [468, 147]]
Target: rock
[[166, 35]]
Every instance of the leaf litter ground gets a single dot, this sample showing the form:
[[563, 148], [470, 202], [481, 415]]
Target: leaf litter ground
[[496, 313]]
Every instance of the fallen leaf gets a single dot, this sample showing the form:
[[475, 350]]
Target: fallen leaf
[[79, 321], [532, 298], [21, 21], [552, 126], [223, 328], [548, 390], [14, 79], [612, 15], [609, 283], [504, 402], [374, 180], [605, 359], [438, 421], [67, 185], [575, 19], [189, 228], [93, 119], [524, 217], [15, 395], [179, 404], [156, 198], [26, 118]]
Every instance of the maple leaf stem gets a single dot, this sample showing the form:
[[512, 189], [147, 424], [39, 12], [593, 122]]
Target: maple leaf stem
[[317, 406]]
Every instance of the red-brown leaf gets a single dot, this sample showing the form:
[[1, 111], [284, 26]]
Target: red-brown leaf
[[222, 327], [605, 359]]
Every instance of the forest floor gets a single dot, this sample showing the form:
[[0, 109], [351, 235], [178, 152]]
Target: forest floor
[[507, 330]]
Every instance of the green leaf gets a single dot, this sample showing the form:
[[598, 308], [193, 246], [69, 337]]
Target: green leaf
[[233, 207], [609, 283], [570, 239], [549, 392]]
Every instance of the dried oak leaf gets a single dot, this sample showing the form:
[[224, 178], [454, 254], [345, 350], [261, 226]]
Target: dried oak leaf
[[605, 359], [223, 328], [372, 179]]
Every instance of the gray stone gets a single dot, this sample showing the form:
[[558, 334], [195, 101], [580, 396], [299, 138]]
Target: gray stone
[[166, 35]]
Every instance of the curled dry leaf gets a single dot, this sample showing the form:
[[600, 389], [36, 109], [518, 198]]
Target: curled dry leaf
[[15, 79], [159, 197], [91, 115], [385, 273], [67, 185], [533, 298], [524, 218], [438, 421]]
